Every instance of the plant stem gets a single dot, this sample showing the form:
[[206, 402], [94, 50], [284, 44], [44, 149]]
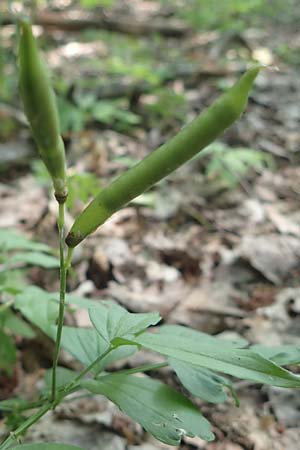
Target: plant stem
[[69, 257], [90, 367], [62, 293], [143, 368], [66, 390], [62, 393], [25, 425]]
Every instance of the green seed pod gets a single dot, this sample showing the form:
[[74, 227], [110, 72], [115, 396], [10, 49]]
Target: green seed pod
[[40, 108], [187, 143]]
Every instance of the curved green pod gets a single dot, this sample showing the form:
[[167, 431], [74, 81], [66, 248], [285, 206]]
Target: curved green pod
[[40, 108], [187, 143]]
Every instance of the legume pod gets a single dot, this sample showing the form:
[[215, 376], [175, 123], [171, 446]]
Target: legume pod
[[40, 108], [187, 143]]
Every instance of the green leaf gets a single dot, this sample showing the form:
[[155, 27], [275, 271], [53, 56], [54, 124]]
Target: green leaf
[[41, 307], [189, 333], [12, 281], [38, 307], [9, 240], [63, 376], [13, 404], [7, 353], [36, 259], [232, 164], [17, 325], [112, 321], [161, 410], [201, 382], [76, 300], [86, 345], [280, 354], [46, 447], [219, 356]]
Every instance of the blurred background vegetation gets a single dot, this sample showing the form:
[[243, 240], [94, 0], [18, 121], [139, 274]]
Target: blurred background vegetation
[[133, 66]]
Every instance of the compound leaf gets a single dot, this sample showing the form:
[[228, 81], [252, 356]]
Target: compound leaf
[[86, 345], [112, 321]]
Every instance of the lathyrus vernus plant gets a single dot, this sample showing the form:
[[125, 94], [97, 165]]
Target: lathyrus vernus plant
[[194, 356]]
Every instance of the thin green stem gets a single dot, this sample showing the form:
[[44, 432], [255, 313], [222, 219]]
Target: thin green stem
[[24, 426], [69, 257], [68, 389], [33, 419], [22, 408], [90, 367], [62, 294], [143, 368]]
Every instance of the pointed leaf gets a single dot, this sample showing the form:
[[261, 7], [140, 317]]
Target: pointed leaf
[[201, 382], [17, 325], [161, 410], [41, 307], [190, 333], [112, 321], [241, 363], [35, 259], [9, 240], [86, 345], [38, 307], [280, 354]]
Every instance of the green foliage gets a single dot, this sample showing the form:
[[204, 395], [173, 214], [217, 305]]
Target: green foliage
[[231, 165], [112, 112], [13, 404], [112, 321], [236, 14], [180, 343], [92, 3], [64, 376], [16, 250], [194, 356], [38, 306], [81, 186], [14, 324], [162, 411], [289, 54], [34, 258], [166, 105], [7, 353], [9, 240], [86, 109], [280, 354], [201, 382]]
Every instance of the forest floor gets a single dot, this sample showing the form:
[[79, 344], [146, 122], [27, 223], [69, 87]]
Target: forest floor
[[215, 246]]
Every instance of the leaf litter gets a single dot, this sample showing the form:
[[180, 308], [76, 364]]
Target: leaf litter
[[217, 260]]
